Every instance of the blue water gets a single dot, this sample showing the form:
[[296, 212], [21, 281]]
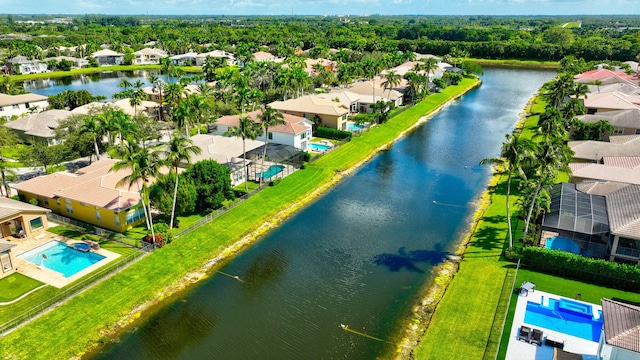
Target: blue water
[[567, 322], [566, 244], [273, 170], [319, 147], [359, 255], [61, 258], [355, 127]]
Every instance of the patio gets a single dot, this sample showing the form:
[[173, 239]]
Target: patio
[[49, 276], [521, 350]]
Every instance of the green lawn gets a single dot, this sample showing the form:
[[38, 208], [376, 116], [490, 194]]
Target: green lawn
[[109, 301], [16, 285]]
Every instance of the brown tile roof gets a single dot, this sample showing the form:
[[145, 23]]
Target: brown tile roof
[[293, 124], [310, 104], [93, 185], [621, 324], [10, 208], [603, 172], [623, 145], [628, 162], [612, 100], [5, 245]]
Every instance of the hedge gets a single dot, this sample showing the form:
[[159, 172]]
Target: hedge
[[329, 133], [596, 271]]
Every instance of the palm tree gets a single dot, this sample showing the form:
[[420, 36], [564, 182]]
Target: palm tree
[[246, 129], [7, 138], [180, 149], [125, 83], [93, 126], [144, 163], [514, 150], [270, 117], [391, 80], [157, 86]]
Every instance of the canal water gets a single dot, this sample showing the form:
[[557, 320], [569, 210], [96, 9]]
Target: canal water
[[357, 256], [104, 83]]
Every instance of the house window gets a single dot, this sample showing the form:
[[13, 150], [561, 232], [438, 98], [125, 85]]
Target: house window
[[637, 131], [98, 215], [304, 115], [135, 215], [5, 260], [270, 136], [36, 223], [618, 131], [117, 220], [16, 106], [303, 136], [27, 105], [45, 200], [70, 208]]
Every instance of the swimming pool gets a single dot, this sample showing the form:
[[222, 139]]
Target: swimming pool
[[355, 127], [319, 147], [61, 258], [562, 243], [272, 171], [566, 316]]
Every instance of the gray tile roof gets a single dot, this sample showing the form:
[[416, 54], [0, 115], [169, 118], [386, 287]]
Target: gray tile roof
[[629, 118], [623, 208], [621, 324]]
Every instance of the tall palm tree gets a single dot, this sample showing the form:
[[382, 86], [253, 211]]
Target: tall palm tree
[[93, 126], [269, 118], [125, 83], [514, 151], [246, 129], [144, 163], [391, 80], [158, 86], [180, 149]]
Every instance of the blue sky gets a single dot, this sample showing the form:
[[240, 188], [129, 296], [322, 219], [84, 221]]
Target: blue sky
[[322, 7]]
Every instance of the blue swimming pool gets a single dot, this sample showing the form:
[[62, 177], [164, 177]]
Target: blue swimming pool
[[319, 147], [272, 171], [562, 243], [354, 127], [566, 316], [61, 258]]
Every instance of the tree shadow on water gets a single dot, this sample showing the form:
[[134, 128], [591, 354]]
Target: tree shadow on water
[[408, 260]]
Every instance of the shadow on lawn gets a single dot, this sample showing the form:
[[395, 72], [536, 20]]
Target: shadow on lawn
[[404, 259]]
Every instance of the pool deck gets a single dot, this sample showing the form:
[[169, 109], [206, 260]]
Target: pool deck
[[49, 276], [521, 350]]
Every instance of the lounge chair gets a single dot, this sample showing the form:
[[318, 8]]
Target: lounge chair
[[524, 334], [536, 337]]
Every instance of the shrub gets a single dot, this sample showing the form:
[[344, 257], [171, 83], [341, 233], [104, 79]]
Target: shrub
[[275, 182], [596, 271], [329, 133]]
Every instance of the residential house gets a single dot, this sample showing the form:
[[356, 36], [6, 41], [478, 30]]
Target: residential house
[[39, 126], [602, 102], [625, 122], [22, 65], [594, 151], [601, 73], [108, 57], [296, 131], [21, 220], [345, 98], [426, 56], [148, 56], [623, 169], [89, 194], [370, 92], [633, 65], [265, 56], [18, 105], [227, 151], [331, 114], [620, 331], [6, 258], [625, 87], [187, 59], [311, 63], [77, 62], [201, 59]]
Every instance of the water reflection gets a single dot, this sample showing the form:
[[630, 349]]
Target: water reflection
[[408, 260]]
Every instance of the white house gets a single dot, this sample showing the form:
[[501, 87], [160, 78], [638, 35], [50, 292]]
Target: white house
[[26, 66], [11, 105], [148, 56], [108, 57], [295, 132], [77, 62], [184, 59], [201, 59]]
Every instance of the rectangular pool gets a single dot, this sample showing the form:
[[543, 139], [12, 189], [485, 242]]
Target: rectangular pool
[[59, 257], [566, 316]]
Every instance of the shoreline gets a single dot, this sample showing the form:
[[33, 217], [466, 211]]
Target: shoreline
[[426, 307], [143, 311]]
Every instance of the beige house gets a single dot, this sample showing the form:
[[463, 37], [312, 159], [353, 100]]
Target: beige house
[[18, 105], [625, 122], [39, 126], [371, 92], [593, 151], [148, 56], [345, 98], [602, 102], [619, 169], [108, 57], [331, 113]]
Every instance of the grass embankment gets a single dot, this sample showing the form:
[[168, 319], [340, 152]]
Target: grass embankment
[[93, 70], [469, 317], [510, 63], [16, 285], [84, 320]]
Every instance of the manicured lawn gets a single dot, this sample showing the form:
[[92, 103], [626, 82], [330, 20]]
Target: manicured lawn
[[109, 301], [563, 287], [16, 285]]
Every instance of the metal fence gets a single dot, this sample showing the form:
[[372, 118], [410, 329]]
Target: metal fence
[[79, 286], [504, 318], [103, 233]]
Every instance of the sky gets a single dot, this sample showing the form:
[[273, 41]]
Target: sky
[[321, 7]]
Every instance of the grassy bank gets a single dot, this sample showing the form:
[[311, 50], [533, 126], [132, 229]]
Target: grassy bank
[[84, 320], [527, 64], [93, 70]]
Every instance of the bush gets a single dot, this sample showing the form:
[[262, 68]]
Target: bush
[[275, 182], [329, 133], [596, 271]]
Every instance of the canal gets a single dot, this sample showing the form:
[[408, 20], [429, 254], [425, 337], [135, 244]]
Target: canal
[[357, 256]]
